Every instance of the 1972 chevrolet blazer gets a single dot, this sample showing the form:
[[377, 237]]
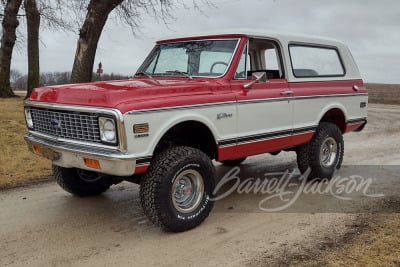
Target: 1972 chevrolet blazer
[[218, 96]]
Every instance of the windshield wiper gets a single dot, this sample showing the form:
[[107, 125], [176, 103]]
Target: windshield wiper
[[147, 75], [144, 73], [179, 72]]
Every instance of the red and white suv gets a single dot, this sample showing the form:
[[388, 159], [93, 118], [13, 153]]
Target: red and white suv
[[220, 96]]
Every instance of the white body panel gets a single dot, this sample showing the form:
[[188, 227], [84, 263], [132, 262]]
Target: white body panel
[[309, 111], [248, 118], [160, 121]]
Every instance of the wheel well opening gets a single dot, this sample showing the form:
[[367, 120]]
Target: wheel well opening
[[192, 134], [335, 116]]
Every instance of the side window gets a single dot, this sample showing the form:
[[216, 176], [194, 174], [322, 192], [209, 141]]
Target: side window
[[310, 61], [265, 55], [271, 59]]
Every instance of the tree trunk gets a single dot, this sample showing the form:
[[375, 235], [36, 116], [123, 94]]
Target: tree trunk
[[89, 36], [33, 24], [10, 24]]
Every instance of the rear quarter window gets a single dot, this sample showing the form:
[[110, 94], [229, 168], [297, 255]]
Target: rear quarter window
[[314, 61]]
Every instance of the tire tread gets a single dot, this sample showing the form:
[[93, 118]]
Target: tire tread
[[150, 196]]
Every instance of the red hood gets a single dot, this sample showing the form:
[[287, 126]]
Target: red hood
[[124, 95]]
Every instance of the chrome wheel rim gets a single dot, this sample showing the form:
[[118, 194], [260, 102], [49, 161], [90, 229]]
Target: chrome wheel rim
[[187, 191], [328, 153]]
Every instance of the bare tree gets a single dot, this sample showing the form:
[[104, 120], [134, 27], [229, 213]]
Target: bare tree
[[20, 83], [33, 24], [128, 12], [10, 23], [51, 11], [15, 75], [89, 35]]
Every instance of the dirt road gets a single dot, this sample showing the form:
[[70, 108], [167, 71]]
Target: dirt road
[[44, 226]]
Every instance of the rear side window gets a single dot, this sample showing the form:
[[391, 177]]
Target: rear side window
[[313, 61]]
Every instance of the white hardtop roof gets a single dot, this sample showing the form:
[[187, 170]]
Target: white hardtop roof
[[260, 33], [285, 39]]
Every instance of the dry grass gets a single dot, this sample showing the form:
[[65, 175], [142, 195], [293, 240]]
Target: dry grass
[[384, 93], [371, 240], [17, 165], [378, 246]]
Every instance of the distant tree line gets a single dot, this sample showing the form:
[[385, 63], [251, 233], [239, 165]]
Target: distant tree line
[[19, 82]]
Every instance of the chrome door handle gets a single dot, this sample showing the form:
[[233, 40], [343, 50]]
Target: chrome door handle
[[287, 92]]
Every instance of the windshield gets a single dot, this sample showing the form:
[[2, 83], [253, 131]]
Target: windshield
[[205, 58]]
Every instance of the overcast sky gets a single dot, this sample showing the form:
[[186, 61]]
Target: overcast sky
[[370, 28]]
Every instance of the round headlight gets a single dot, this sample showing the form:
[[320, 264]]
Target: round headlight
[[108, 132], [28, 118]]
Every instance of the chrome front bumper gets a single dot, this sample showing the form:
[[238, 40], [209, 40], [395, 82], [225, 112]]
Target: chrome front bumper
[[63, 154]]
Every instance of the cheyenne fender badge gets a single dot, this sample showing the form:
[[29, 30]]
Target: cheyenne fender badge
[[224, 115]]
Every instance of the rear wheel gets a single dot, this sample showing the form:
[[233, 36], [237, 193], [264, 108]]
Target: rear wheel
[[80, 182], [176, 192], [324, 154]]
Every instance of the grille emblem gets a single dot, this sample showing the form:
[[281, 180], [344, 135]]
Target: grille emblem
[[55, 124]]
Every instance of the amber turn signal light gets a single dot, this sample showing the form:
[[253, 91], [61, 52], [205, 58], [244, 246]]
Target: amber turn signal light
[[92, 163], [37, 150], [141, 128]]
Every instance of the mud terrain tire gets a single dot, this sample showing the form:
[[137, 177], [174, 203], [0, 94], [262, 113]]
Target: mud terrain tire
[[81, 183], [176, 191], [324, 153]]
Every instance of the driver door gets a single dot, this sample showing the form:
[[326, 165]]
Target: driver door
[[264, 110]]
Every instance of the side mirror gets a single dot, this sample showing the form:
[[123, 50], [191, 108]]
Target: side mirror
[[256, 77]]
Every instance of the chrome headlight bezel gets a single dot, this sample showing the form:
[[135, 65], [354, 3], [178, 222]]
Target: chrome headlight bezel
[[108, 130], [28, 118]]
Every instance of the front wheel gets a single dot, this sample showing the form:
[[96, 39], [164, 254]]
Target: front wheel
[[324, 153], [80, 182], [176, 191]]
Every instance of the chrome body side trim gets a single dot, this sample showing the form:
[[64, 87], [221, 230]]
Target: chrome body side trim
[[243, 102]]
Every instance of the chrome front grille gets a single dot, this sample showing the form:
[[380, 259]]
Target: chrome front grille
[[69, 125]]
